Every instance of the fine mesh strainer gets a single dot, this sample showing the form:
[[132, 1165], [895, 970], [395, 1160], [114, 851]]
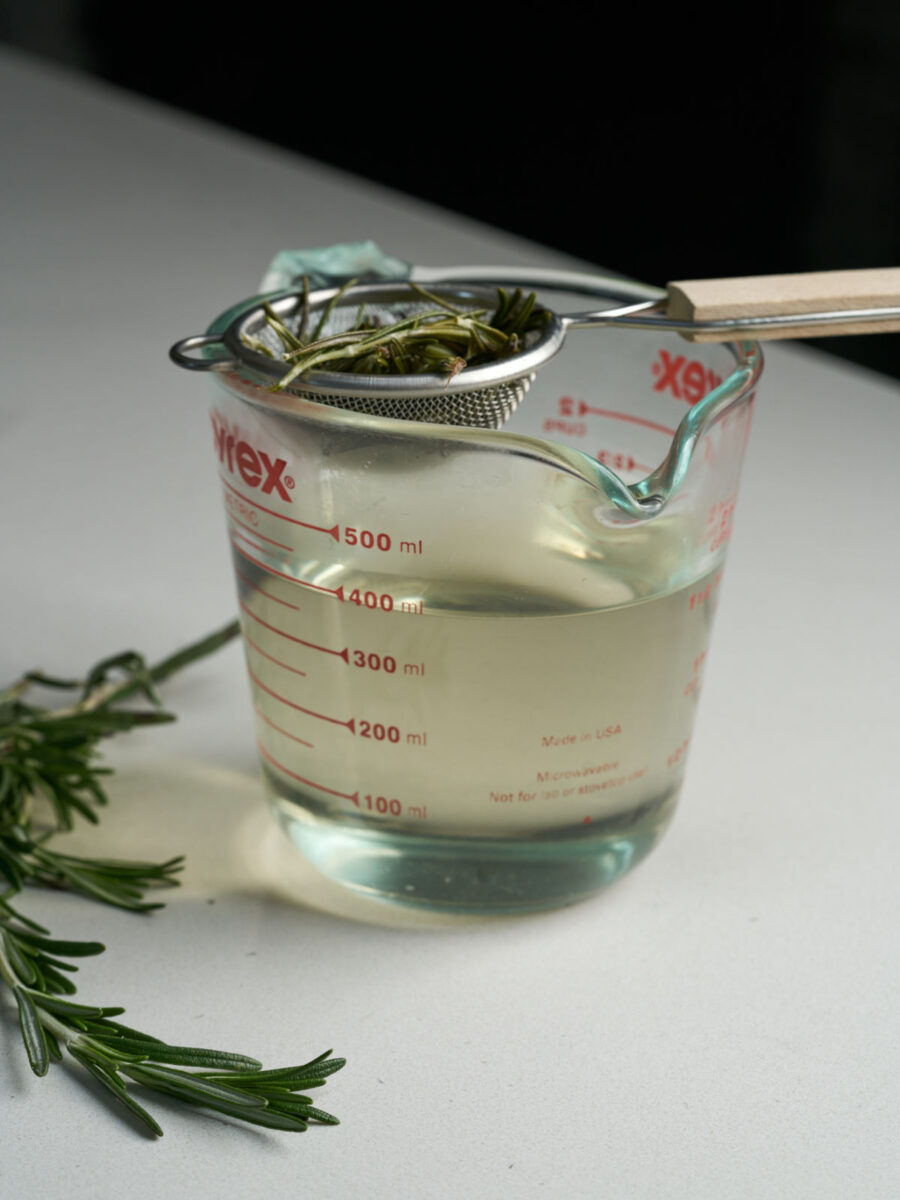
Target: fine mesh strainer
[[485, 397]]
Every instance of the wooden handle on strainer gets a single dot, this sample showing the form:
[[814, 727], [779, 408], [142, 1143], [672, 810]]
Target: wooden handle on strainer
[[788, 295]]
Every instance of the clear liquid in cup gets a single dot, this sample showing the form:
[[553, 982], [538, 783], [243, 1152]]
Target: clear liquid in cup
[[478, 748]]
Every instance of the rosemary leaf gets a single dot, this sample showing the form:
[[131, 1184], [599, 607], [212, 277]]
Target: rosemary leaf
[[32, 1032]]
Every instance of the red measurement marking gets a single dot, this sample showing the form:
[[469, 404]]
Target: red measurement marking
[[749, 417], [310, 712], [678, 754], [689, 381], [262, 537], [263, 592], [698, 598], [344, 654], [719, 522], [278, 729], [354, 796], [339, 592], [583, 409], [570, 428], [619, 461], [249, 541], [271, 657], [334, 531]]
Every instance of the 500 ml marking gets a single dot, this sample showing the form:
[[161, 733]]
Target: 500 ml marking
[[366, 538], [268, 475], [369, 540]]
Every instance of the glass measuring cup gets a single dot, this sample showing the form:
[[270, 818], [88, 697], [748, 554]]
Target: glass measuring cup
[[475, 655]]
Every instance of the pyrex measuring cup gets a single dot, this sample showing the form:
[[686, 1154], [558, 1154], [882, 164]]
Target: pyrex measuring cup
[[475, 655]]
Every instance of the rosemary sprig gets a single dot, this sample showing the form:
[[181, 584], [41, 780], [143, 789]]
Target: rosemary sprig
[[443, 340], [53, 753], [30, 964]]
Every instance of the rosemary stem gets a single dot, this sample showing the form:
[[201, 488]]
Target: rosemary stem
[[304, 319], [121, 689], [188, 654], [330, 306], [15, 690]]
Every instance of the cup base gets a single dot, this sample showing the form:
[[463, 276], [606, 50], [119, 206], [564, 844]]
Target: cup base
[[474, 876]]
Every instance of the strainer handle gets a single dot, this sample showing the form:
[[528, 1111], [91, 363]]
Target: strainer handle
[[179, 354], [549, 278], [815, 304]]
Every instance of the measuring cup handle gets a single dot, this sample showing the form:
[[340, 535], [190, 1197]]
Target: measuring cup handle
[[179, 354]]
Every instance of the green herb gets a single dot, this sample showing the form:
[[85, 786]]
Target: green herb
[[53, 753], [445, 339]]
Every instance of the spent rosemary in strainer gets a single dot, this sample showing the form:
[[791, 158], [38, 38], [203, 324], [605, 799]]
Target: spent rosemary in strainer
[[445, 339]]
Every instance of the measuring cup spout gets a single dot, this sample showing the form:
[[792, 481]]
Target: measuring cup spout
[[665, 481], [651, 494]]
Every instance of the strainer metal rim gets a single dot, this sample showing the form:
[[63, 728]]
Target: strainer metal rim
[[503, 371]]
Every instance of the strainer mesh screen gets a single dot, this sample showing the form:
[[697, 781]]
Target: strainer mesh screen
[[486, 407]]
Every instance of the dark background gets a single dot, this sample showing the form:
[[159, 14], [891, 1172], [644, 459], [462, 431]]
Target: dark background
[[665, 145]]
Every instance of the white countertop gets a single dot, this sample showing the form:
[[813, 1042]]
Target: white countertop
[[721, 1023]]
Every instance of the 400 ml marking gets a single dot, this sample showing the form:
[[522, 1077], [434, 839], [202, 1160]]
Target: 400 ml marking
[[362, 599], [384, 602]]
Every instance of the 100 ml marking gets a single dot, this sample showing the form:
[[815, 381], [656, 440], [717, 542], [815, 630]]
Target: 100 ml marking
[[389, 806]]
